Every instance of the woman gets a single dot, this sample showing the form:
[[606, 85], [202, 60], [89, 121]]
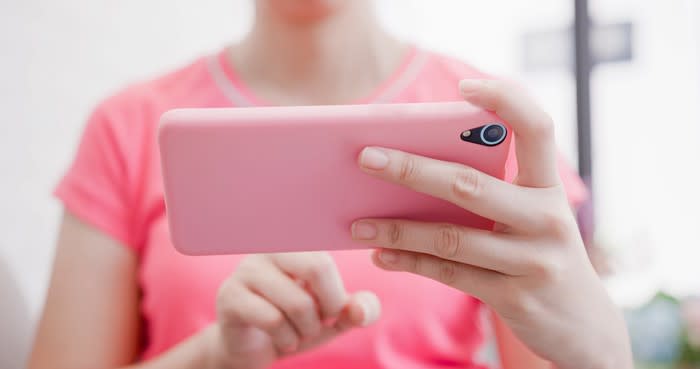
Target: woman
[[120, 295]]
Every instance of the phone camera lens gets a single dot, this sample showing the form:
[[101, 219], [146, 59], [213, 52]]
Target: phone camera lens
[[493, 134]]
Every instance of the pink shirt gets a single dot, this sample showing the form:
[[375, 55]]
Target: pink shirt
[[115, 185]]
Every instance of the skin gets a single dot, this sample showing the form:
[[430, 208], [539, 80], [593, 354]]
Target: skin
[[554, 302], [342, 46], [532, 269]]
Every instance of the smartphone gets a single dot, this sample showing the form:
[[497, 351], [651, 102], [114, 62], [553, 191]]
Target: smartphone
[[285, 179]]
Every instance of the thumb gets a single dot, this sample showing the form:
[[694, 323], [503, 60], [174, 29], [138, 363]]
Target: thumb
[[533, 128], [363, 309]]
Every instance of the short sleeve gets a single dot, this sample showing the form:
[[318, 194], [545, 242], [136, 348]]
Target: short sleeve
[[576, 190], [95, 187]]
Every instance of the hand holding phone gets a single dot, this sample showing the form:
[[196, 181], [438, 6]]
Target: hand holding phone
[[532, 268]]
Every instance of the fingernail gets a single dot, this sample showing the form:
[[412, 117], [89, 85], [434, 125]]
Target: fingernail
[[372, 158], [371, 309], [364, 231], [469, 85], [369, 315], [389, 257], [289, 348]]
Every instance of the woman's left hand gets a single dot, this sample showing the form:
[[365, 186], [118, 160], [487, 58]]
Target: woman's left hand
[[532, 269]]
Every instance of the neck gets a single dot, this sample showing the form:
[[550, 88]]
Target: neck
[[340, 59]]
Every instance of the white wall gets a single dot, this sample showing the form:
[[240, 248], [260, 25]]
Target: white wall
[[61, 57], [647, 145]]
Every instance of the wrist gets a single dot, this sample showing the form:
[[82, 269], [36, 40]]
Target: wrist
[[618, 356], [620, 360]]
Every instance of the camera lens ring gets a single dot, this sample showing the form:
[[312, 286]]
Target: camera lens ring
[[501, 137]]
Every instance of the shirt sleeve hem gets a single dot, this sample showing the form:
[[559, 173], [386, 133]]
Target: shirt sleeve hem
[[79, 203]]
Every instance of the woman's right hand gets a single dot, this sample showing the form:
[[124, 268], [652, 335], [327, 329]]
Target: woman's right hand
[[277, 305]]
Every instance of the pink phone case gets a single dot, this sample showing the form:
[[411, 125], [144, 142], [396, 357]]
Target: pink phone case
[[281, 179]]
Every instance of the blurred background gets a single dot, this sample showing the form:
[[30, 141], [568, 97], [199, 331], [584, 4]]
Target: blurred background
[[62, 57]]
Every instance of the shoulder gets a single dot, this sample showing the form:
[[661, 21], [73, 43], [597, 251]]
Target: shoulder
[[161, 92], [438, 76], [450, 67], [121, 129]]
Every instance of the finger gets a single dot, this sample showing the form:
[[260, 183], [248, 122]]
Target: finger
[[472, 280], [484, 249], [363, 309], [241, 309], [321, 274], [284, 293], [533, 128], [463, 186]]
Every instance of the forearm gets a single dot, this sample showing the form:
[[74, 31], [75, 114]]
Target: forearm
[[513, 353], [197, 352], [611, 357]]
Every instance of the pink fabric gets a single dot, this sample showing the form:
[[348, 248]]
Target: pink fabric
[[115, 184]]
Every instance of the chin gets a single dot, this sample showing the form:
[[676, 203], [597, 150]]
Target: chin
[[305, 11]]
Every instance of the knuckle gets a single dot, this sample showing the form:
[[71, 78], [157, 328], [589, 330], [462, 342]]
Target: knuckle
[[547, 122], [225, 301], [285, 337], [395, 233], [274, 322], [496, 91], [555, 223], [320, 268], [408, 169], [447, 272], [543, 127], [448, 242], [416, 264], [248, 266], [224, 309], [300, 308], [514, 302], [546, 269], [467, 184]]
